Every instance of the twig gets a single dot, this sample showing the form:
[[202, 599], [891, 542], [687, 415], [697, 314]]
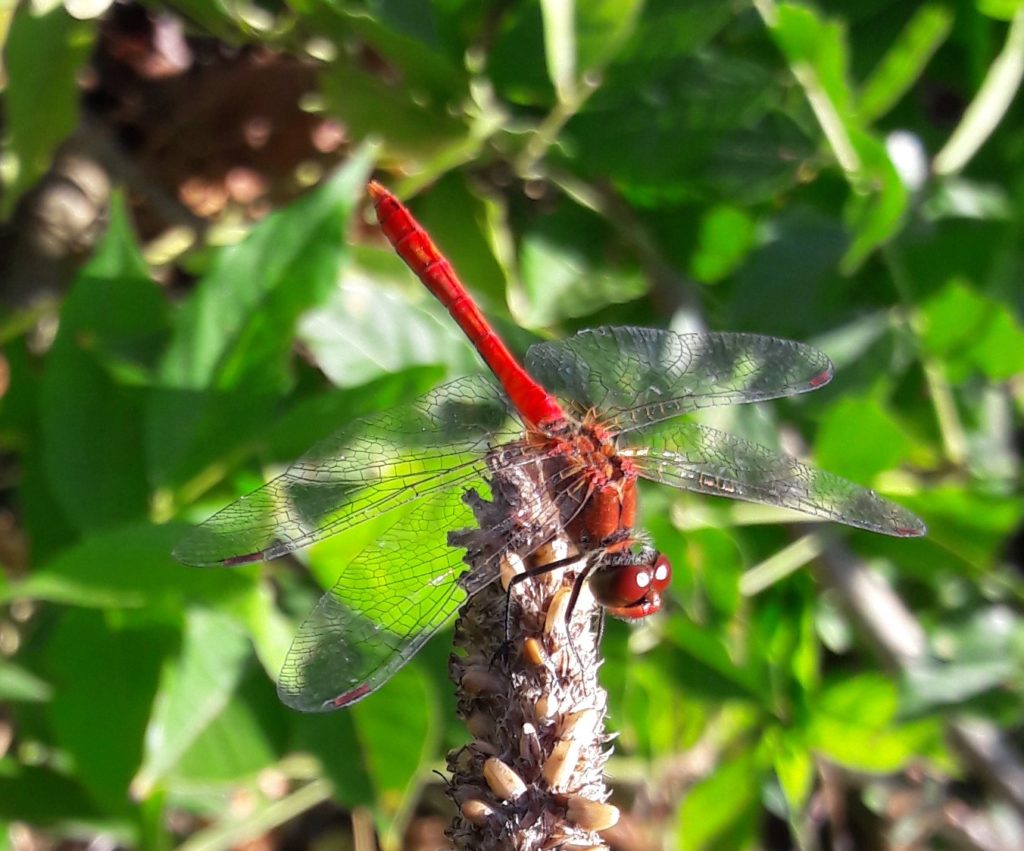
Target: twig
[[989, 106]]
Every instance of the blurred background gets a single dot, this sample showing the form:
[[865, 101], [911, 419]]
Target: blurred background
[[193, 293]]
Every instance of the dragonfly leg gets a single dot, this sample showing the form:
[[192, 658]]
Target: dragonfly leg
[[577, 587], [531, 573]]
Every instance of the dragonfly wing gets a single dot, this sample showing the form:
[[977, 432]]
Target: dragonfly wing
[[371, 466], [697, 458], [397, 593], [387, 603], [636, 376]]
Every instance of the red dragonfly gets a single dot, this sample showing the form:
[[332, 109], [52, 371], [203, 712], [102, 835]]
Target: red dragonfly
[[593, 413]]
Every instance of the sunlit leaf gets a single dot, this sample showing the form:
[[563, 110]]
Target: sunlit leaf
[[726, 235], [721, 811], [905, 60], [43, 56], [106, 673], [795, 769], [398, 729], [92, 394], [853, 722], [129, 567], [970, 331], [193, 689], [877, 203], [860, 438], [229, 357], [18, 684], [244, 738]]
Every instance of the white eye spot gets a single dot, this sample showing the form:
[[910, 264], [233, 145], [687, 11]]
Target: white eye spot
[[661, 574], [643, 580]]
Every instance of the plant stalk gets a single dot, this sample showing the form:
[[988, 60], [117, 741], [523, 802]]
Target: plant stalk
[[533, 775]]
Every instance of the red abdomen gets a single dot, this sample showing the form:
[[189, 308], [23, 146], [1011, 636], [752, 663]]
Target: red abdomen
[[538, 408]]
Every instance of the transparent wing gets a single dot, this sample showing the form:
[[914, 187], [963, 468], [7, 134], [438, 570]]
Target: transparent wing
[[382, 610], [697, 458], [373, 465], [636, 376], [393, 597]]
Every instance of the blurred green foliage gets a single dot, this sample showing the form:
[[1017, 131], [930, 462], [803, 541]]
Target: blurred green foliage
[[694, 164]]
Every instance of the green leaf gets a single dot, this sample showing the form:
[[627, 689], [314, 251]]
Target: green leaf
[[602, 30], [32, 794], [661, 714], [807, 39], [859, 438], [353, 349], [129, 567], [333, 739], [18, 684], [424, 40], [247, 736], [853, 722], [370, 108], [399, 731], [722, 810], [905, 61], [877, 203], [229, 358], [194, 688], [43, 55], [970, 331], [1001, 10], [717, 133], [706, 664], [564, 272], [107, 673], [726, 235], [92, 398], [794, 767], [236, 328]]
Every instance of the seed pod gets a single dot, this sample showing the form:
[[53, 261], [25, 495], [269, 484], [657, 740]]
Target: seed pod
[[511, 566], [529, 744], [552, 551], [545, 708], [480, 725], [591, 815], [533, 652], [558, 767], [476, 811], [556, 611], [578, 726], [482, 746], [503, 780], [477, 681]]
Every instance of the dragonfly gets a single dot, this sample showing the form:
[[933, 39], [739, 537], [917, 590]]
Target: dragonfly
[[590, 415]]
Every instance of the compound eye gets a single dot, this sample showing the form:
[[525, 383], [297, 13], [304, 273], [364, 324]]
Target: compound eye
[[662, 573], [621, 585]]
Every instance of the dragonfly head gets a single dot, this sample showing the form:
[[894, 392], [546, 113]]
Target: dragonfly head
[[630, 584]]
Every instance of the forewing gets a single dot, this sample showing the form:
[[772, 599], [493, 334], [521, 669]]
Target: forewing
[[696, 458], [386, 604], [397, 593], [373, 465], [637, 376]]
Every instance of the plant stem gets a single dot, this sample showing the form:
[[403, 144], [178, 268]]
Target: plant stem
[[533, 776]]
